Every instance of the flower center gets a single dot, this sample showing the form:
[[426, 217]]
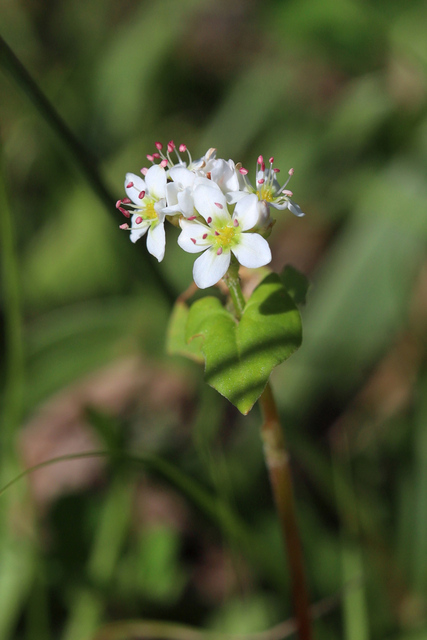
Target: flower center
[[149, 211], [265, 193], [224, 237]]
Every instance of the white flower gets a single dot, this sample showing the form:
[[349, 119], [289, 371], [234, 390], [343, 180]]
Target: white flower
[[267, 188], [180, 191], [149, 201], [222, 235]]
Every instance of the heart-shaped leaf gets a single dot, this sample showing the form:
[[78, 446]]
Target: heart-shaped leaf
[[176, 344], [239, 356]]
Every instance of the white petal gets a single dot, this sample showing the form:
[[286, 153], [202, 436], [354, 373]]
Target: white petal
[[295, 209], [235, 196], [252, 251], [211, 204], [186, 203], [171, 194], [138, 185], [246, 212], [139, 231], [193, 231], [156, 240], [224, 175], [155, 179], [209, 268], [182, 176]]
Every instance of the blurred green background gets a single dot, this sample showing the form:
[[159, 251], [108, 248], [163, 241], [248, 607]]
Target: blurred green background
[[180, 527]]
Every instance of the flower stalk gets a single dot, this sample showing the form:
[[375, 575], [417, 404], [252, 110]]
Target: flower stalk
[[277, 461]]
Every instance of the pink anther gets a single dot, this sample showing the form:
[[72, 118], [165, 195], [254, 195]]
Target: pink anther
[[218, 253], [235, 222], [125, 212], [243, 171], [260, 160], [271, 160], [150, 157], [193, 240], [164, 163], [129, 185], [204, 236], [183, 147], [286, 192], [261, 181], [171, 146], [144, 171], [141, 195], [124, 226], [291, 172], [192, 218], [209, 220], [216, 233], [138, 220], [156, 155], [158, 145], [219, 205]]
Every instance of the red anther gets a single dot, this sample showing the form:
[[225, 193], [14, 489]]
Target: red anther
[[118, 204], [209, 175], [261, 181], [156, 155], [150, 157], [144, 171], [124, 226], [271, 160], [164, 163], [209, 220], [218, 253], [260, 160], [141, 195], [192, 218], [219, 205], [125, 212], [235, 222], [138, 220], [243, 171], [183, 147], [286, 192], [276, 170], [263, 166], [129, 185], [204, 236], [158, 145], [291, 172], [216, 233], [126, 201], [193, 240], [171, 146]]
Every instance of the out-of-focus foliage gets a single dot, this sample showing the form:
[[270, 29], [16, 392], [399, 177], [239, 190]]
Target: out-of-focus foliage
[[337, 90]]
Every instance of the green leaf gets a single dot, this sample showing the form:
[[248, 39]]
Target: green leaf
[[295, 283], [176, 343], [239, 357]]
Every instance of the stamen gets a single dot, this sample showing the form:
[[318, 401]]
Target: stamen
[[129, 185], [209, 175], [182, 148], [209, 220], [124, 211], [171, 146], [216, 233], [243, 171], [219, 205], [260, 160], [192, 218], [235, 222], [193, 240], [138, 220], [118, 204], [291, 172], [286, 192], [271, 160], [144, 171], [261, 181], [124, 226], [218, 253], [276, 170], [158, 146], [204, 236], [156, 155], [141, 194], [126, 201], [150, 157], [164, 163]]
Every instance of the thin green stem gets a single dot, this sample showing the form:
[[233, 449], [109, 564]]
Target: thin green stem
[[232, 281], [79, 153], [277, 460]]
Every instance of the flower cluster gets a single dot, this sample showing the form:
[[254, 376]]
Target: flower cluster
[[218, 209]]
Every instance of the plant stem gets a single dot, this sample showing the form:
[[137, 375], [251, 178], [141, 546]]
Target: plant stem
[[232, 281], [277, 460]]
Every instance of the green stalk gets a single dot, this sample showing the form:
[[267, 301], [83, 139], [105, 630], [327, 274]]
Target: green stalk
[[277, 462]]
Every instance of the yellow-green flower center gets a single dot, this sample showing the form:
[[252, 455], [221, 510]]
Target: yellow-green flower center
[[224, 237], [265, 193], [149, 211]]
